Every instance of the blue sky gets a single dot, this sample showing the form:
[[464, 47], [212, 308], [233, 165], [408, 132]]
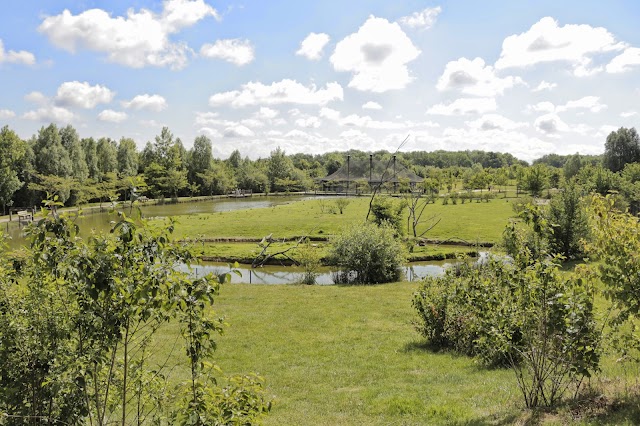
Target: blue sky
[[526, 77]]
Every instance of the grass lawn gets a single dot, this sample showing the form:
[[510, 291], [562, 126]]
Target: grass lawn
[[472, 222], [350, 356]]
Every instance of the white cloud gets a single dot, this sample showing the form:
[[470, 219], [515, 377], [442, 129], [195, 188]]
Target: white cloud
[[151, 102], [545, 106], [377, 56], [309, 122], [281, 92], [423, 19], [266, 113], [592, 103], [545, 41], [544, 86], [50, 114], [625, 61], [628, 114], [491, 122], [83, 95], [238, 52], [13, 57], [135, 40], [313, 45], [6, 113], [112, 116], [465, 106], [475, 78], [150, 123], [371, 105], [329, 113], [252, 122], [36, 98], [550, 124], [238, 131], [210, 132]]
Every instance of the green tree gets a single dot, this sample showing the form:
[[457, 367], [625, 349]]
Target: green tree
[[91, 157], [107, 156], [279, 167], [572, 167], [51, 158], [535, 179], [567, 218], [71, 142], [127, 157], [200, 158], [621, 147], [13, 150]]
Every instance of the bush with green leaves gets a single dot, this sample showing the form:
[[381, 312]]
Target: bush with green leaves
[[367, 254], [388, 211], [77, 322], [521, 313]]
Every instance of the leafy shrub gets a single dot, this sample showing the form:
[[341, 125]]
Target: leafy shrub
[[388, 212], [367, 254], [309, 258], [341, 204], [523, 314]]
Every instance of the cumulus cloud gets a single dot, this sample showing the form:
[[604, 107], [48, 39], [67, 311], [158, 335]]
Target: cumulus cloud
[[313, 45], [112, 116], [625, 61], [628, 114], [591, 103], [371, 105], [150, 102], [423, 19], [238, 52], [238, 131], [544, 86], [475, 78], [83, 95], [489, 122], [546, 41], [309, 122], [266, 113], [136, 40], [6, 113], [16, 57], [550, 124], [377, 56], [50, 114], [464, 106], [281, 92], [36, 98]]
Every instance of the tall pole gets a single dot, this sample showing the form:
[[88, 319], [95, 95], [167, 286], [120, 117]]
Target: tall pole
[[395, 178]]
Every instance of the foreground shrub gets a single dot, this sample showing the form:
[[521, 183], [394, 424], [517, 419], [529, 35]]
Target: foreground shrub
[[77, 322], [523, 314], [367, 254]]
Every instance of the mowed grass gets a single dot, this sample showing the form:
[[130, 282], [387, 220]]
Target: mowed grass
[[470, 221], [335, 355]]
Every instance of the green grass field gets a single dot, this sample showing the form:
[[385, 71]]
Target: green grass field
[[348, 355], [471, 222]]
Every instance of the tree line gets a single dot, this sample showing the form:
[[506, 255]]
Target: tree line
[[56, 161]]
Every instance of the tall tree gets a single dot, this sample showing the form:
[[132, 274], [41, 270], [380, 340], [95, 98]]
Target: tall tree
[[107, 154], [199, 159], [13, 149], [127, 158], [71, 142], [621, 147], [279, 167], [91, 156], [51, 158]]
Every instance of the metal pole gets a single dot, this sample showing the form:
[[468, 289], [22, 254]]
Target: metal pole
[[348, 172]]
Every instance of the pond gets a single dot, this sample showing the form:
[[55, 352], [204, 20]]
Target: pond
[[291, 275]]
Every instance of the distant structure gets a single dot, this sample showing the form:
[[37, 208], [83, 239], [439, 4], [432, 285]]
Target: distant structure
[[356, 174]]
